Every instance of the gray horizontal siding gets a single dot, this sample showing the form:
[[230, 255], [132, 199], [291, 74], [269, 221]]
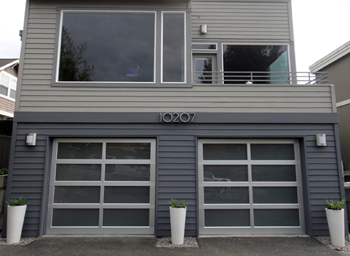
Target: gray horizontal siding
[[176, 172], [243, 20], [38, 95], [176, 162]]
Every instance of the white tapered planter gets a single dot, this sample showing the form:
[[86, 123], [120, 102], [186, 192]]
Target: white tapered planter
[[15, 219], [335, 219], [177, 223]]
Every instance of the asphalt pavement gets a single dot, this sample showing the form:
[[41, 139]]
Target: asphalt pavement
[[144, 246]]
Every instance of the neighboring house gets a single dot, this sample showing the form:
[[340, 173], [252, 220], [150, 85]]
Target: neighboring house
[[136, 102], [8, 84], [337, 63]]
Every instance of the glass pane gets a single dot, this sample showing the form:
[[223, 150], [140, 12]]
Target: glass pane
[[259, 64], [276, 217], [126, 195], [123, 217], [226, 218], [222, 173], [3, 90], [203, 74], [275, 195], [226, 195], [94, 51], [5, 80], [80, 172], [173, 47], [273, 173], [79, 150], [75, 217], [13, 84], [225, 152], [128, 151], [204, 46], [65, 194], [12, 94], [127, 172], [272, 151]]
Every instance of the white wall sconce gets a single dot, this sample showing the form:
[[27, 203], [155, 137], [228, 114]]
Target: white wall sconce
[[321, 140], [31, 139], [204, 29]]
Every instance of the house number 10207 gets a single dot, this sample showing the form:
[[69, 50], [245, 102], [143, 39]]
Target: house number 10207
[[177, 117]]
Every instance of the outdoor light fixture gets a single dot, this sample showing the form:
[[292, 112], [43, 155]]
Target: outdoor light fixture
[[321, 140], [204, 29], [31, 139]]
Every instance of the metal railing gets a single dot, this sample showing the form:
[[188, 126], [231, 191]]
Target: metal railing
[[259, 77]]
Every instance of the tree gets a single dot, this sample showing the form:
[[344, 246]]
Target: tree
[[72, 65]]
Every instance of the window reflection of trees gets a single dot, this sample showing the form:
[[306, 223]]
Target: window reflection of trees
[[73, 66], [248, 58]]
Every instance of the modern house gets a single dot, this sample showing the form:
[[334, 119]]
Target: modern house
[[123, 105], [8, 84], [337, 63]]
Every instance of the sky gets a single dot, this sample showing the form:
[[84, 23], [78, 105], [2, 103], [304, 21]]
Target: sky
[[320, 26]]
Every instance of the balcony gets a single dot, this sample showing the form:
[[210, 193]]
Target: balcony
[[260, 77]]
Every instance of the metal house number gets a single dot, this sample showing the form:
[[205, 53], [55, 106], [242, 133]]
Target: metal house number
[[177, 117]]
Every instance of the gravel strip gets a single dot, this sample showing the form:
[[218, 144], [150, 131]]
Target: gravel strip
[[327, 241], [24, 241], [166, 242]]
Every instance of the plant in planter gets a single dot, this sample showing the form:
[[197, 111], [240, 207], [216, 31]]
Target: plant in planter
[[177, 221], [3, 177], [335, 219], [16, 210]]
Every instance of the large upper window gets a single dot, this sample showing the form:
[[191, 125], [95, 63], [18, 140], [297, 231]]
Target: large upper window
[[121, 47], [107, 47], [261, 63]]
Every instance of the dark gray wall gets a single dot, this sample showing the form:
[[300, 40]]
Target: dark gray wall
[[176, 156]]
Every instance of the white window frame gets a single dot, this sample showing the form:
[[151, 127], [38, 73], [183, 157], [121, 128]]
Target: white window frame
[[10, 86], [100, 229], [250, 230]]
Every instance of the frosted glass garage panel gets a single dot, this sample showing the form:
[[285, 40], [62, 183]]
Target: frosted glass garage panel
[[78, 172], [273, 173], [276, 217], [79, 150], [226, 195], [75, 217], [128, 151], [226, 218], [77, 194], [272, 151], [224, 151], [127, 172], [275, 195], [126, 194], [125, 217], [225, 173]]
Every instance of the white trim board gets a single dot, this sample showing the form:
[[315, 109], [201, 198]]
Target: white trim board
[[330, 58], [9, 64], [4, 113], [343, 103]]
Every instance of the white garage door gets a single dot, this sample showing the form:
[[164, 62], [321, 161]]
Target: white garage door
[[102, 186], [250, 187]]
